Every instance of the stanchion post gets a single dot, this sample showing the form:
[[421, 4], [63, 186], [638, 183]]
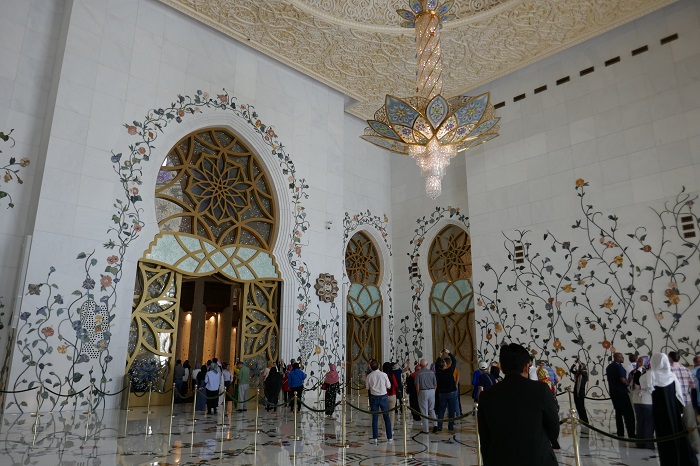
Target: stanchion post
[[351, 393], [194, 411], [255, 438], [172, 409], [128, 394], [294, 400], [405, 427], [36, 415], [342, 423], [148, 408], [89, 412], [478, 440], [572, 414]]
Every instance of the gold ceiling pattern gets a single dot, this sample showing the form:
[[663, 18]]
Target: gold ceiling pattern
[[358, 48]]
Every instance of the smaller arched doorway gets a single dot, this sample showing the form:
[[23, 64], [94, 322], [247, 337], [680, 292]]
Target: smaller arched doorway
[[217, 217], [452, 297], [365, 306]]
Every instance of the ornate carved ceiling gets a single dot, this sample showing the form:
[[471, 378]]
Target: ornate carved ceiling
[[357, 47]]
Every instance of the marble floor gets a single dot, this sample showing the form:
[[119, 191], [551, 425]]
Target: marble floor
[[113, 438]]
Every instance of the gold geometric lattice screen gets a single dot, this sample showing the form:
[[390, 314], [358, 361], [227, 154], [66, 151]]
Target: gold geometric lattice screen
[[451, 297], [364, 306], [154, 317], [216, 212]]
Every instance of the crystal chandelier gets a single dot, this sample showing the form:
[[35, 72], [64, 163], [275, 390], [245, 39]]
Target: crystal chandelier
[[428, 127]]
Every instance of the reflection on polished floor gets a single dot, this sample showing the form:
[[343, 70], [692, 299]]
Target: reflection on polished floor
[[114, 439]]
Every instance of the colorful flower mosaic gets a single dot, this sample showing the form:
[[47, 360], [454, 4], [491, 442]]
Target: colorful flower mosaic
[[580, 299]]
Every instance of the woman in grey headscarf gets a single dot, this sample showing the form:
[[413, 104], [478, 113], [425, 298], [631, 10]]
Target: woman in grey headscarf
[[667, 404]]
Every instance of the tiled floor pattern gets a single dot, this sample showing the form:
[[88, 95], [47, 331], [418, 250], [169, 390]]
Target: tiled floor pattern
[[114, 439]]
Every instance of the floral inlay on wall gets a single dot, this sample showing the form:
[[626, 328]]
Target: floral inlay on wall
[[604, 289]]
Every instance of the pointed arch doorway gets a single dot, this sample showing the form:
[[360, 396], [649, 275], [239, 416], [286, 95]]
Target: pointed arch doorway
[[217, 217], [452, 298]]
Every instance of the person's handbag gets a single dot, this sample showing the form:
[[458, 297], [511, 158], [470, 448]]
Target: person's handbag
[[324, 386]]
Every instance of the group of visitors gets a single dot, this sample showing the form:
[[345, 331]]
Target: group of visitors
[[214, 381], [665, 398], [287, 378]]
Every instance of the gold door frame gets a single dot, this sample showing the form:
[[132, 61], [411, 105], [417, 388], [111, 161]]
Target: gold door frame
[[216, 210], [450, 267], [364, 305]]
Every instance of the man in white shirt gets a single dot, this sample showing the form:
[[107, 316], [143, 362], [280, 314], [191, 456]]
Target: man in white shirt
[[377, 385]]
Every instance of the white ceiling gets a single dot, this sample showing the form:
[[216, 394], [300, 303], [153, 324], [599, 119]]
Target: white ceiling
[[357, 47]]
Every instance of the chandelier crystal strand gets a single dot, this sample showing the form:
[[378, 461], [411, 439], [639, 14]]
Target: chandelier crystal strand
[[428, 54], [428, 127]]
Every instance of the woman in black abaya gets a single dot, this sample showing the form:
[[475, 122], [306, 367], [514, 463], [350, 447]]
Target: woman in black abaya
[[667, 405]]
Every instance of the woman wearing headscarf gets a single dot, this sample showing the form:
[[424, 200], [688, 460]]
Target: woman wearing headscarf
[[212, 381], [273, 384], [332, 382], [641, 400], [200, 394], [412, 395], [667, 404]]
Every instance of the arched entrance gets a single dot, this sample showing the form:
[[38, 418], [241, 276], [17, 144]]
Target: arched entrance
[[452, 297], [217, 217], [364, 306]]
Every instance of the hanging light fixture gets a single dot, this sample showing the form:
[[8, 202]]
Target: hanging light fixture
[[428, 127]]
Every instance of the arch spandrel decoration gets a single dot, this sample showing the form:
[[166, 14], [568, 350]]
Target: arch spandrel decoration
[[216, 212], [364, 304], [197, 257], [452, 296]]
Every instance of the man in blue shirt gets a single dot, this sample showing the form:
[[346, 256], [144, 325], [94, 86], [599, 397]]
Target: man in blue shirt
[[617, 385]]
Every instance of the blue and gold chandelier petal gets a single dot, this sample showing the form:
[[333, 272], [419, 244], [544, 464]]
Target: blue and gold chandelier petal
[[437, 110], [484, 127], [463, 132], [431, 4], [399, 112], [472, 110], [447, 126], [419, 138], [388, 144], [383, 130], [444, 8], [423, 127], [405, 133], [405, 14], [408, 24], [416, 6]]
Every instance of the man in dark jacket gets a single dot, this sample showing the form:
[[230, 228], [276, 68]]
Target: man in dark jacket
[[518, 420]]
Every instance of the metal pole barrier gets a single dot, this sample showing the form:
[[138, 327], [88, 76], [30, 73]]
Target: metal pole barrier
[[342, 424], [405, 428], [36, 415], [126, 417], [351, 393], [572, 413], [255, 439], [478, 441], [128, 392], [172, 408], [294, 400], [148, 408], [223, 414], [89, 413], [194, 411]]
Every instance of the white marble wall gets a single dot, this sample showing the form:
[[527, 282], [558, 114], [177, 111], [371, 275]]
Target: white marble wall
[[631, 130], [30, 32], [123, 58]]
